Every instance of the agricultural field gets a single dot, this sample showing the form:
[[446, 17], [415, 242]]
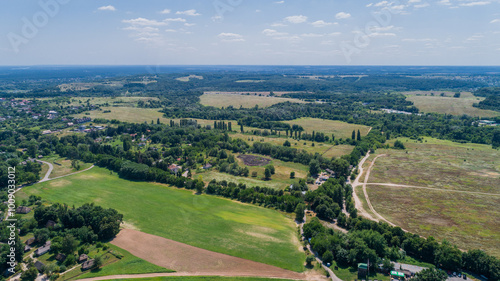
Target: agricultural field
[[204, 278], [447, 104], [456, 191], [246, 101], [188, 78], [279, 180], [325, 149], [204, 221], [329, 127]]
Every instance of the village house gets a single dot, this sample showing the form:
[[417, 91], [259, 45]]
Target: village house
[[60, 257], [39, 265], [88, 264], [174, 168], [207, 166], [83, 258], [50, 224], [23, 210], [43, 250]]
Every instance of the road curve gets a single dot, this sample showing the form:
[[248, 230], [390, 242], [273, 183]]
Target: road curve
[[51, 167]]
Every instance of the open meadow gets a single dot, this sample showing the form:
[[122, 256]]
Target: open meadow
[[203, 221], [246, 101], [328, 127], [442, 189], [447, 104], [279, 180], [325, 149]]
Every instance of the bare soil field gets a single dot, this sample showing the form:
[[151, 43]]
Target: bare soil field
[[184, 258], [252, 160]]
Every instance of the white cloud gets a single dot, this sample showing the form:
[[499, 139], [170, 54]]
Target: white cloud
[[166, 11], [369, 5], [477, 3], [191, 12], [144, 22], [279, 2], [342, 15], [230, 37], [474, 38], [444, 2], [382, 34], [258, 11], [382, 4], [107, 8], [495, 21], [423, 5], [174, 20], [273, 33], [321, 23], [278, 24], [170, 30], [296, 19], [414, 1], [312, 35]]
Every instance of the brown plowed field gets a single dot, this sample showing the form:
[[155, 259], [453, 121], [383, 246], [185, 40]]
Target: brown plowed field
[[188, 259]]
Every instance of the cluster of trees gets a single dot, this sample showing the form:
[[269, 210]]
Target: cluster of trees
[[492, 98], [378, 241], [90, 221], [268, 197]]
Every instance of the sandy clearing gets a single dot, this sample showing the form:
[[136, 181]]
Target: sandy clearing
[[190, 260]]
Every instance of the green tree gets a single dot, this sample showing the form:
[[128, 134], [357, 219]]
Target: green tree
[[359, 136], [292, 174], [314, 167], [30, 274], [353, 136], [327, 256], [69, 244], [287, 143], [299, 212], [399, 145], [495, 141], [267, 173], [309, 260], [97, 263], [431, 274]]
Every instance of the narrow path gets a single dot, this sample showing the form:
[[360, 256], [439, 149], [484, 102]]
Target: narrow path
[[51, 167], [316, 256], [432, 188], [357, 202], [50, 170]]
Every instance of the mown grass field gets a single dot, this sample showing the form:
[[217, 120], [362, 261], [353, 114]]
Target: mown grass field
[[467, 219], [329, 127], [246, 101], [279, 180], [447, 104], [325, 149], [440, 164], [208, 222]]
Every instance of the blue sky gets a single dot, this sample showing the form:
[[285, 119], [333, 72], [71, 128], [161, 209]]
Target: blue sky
[[313, 32]]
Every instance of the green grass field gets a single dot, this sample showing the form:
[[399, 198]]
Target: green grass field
[[467, 219], [246, 101], [128, 264], [447, 104], [279, 180], [329, 127], [111, 101], [208, 222]]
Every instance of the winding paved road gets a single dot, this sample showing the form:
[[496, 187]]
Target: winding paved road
[[51, 167]]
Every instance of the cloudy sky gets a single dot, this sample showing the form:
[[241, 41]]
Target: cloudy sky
[[279, 32]]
